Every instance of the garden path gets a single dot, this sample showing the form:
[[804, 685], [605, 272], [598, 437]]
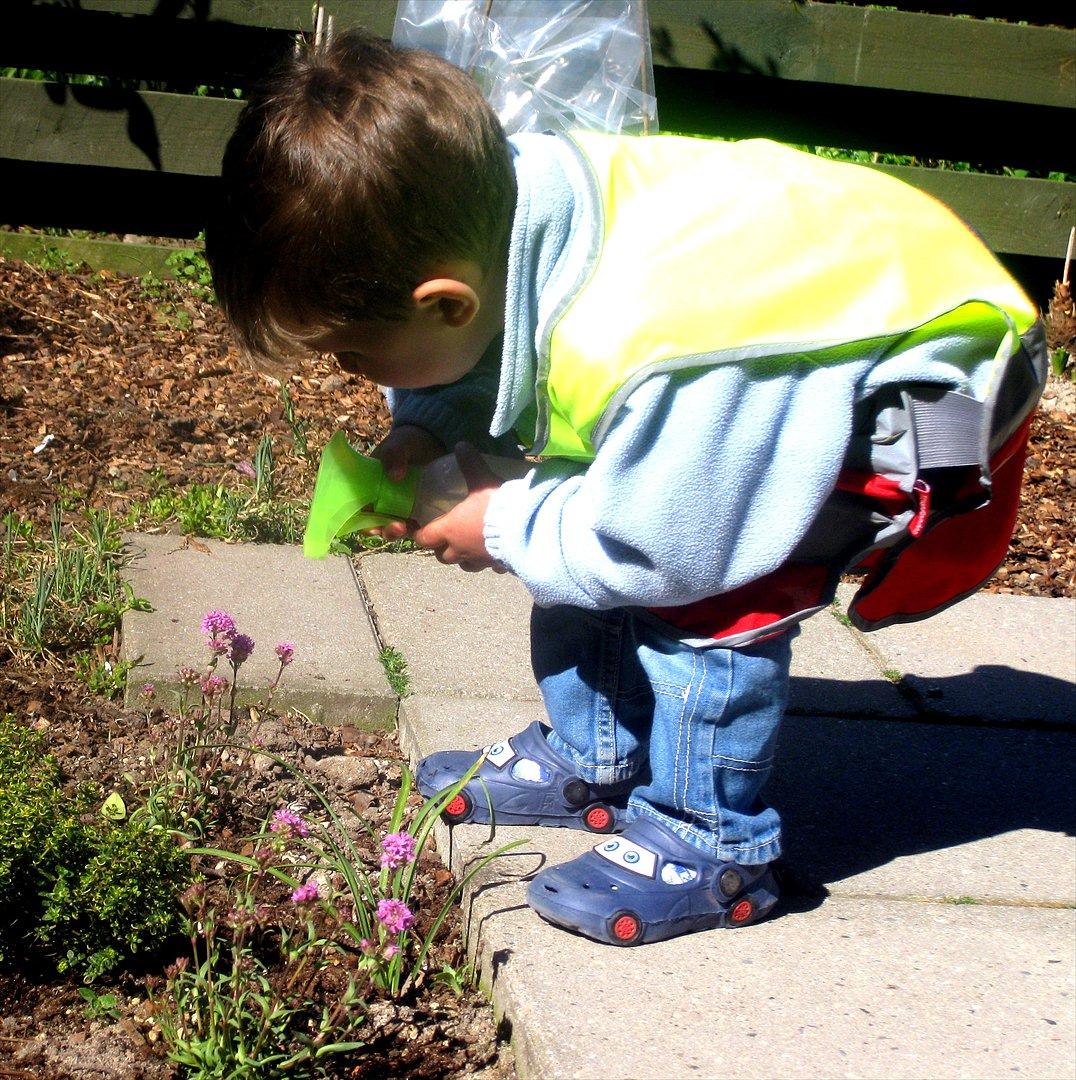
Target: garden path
[[925, 777]]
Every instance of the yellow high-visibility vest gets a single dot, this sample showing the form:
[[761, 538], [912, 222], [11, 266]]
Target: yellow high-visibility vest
[[710, 252]]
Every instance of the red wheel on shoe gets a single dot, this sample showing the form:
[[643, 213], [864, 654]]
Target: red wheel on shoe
[[742, 913], [599, 818], [626, 928], [459, 809]]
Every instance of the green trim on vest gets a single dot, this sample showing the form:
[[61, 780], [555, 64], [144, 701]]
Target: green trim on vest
[[710, 252]]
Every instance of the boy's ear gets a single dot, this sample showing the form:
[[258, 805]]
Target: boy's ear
[[453, 301]]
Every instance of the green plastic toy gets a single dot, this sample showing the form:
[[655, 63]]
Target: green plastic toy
[[353, 494]]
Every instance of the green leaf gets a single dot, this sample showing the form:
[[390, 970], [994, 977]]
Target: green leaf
[[114, 808]]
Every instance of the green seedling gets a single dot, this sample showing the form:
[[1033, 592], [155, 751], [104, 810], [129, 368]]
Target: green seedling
[[99, 1006]]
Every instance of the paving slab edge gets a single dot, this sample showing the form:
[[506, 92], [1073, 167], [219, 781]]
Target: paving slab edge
[[497, 987]]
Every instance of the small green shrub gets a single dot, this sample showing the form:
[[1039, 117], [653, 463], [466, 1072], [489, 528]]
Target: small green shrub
[[77, 890], [121, 903], [38, 828]]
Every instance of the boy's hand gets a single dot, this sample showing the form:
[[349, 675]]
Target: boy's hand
[[400, 449], [457, 537]]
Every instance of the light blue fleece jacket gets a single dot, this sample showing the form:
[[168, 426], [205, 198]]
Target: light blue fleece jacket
[[705, 481]]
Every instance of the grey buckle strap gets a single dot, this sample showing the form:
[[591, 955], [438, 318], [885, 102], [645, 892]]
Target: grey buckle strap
[[948, 427]]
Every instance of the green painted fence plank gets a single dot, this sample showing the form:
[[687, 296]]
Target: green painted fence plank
[[377, 15], [786, 39], [834, 43], [1013, 215], [87, 125], [113, 255]]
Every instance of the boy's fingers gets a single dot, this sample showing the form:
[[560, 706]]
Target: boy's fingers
[[429, 536], [396, 530]]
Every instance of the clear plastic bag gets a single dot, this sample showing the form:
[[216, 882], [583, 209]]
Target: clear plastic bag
[[545, 64]]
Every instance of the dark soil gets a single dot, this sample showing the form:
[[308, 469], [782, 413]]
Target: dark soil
[[137, 389]]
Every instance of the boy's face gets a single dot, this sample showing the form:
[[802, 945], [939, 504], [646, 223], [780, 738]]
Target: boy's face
[[445, 335], [401, 355]]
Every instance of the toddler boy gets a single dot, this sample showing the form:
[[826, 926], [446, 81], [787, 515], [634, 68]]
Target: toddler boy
[[729, 359]]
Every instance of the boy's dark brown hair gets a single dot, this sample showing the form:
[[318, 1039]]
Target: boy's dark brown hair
[[354, 169]]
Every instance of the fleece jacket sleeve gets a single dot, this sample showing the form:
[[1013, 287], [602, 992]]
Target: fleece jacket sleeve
[[706, 481]]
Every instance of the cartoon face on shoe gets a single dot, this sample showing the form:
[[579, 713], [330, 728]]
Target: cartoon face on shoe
[[640, 861]]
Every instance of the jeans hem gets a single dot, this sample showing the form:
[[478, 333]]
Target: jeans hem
[[596, 775], [766, 850]]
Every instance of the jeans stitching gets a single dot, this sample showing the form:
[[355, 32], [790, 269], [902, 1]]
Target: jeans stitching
[[691, 726], [743, 767], [680, 734], [610, 665]]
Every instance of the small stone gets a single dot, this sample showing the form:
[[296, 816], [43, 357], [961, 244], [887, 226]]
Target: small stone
[[361, 801], [347, 772]]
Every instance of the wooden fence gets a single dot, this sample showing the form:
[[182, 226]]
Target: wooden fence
[[931, 86]]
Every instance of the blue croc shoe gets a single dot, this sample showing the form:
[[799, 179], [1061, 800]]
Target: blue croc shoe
[[647, 885], [526, 783]]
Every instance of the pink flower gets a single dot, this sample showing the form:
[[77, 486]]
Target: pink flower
[[246, 469], [213, 685], [390, 951], [187, 675], [286, 652], [242, 646], [305, 893], [396, 849], [148, 690], [218, 624], [285, 820], [394, 915]]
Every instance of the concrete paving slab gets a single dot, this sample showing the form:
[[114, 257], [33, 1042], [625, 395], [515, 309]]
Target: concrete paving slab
[[897, 809], [275, 595], [991, 656], [888, 809], [834, 672], [853, 988], [462, 634]]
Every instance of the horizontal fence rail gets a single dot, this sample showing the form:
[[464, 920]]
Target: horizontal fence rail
[[928, 86]]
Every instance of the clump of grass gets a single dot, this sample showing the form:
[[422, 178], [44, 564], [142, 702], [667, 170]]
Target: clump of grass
[[395, 665], [63, 594], [838, 614], [225, 512]]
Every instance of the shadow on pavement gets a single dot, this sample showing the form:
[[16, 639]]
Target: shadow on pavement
[[855, 794]]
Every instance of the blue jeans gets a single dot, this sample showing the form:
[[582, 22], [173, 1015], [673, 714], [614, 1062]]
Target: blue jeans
[[696, 728]]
